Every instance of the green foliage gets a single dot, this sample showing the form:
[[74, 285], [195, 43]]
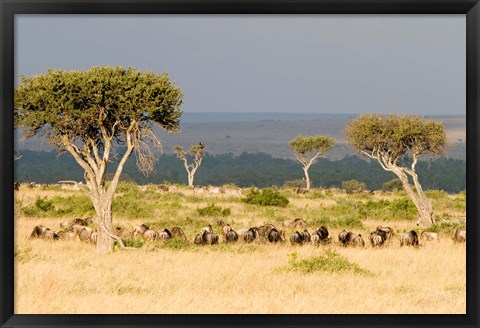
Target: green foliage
[[392, 185], [330, 262], [396, 210], [40, 208], [265, 197], [213, 210], [175, 244], [446, 228], [306, 144], [78, 103], [436, 194], [352, 186], [395, 135], [134, 242]]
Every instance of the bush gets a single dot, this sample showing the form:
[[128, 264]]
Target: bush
[[295, 184], [266, 197], [392, 185], [330, 261], [41, 207], [353, 186], [212, 210]]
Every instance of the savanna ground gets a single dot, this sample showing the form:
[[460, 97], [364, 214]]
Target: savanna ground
[[179, 277]]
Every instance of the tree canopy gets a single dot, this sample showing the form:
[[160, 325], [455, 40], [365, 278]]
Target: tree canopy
[[306, 144], [396, 136]]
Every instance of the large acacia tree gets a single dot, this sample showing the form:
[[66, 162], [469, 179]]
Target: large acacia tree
[[308, 149], [98, 116], [397, 142]]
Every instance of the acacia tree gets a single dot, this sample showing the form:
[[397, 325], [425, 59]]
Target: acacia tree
[[308, 149], [197, 152], [397, 142], [96, 115]]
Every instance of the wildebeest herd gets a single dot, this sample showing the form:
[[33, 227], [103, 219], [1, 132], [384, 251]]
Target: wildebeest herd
[[80, 228]]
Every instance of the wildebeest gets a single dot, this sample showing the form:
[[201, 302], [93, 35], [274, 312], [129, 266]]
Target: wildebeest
[[460, 236], [296, 238], [145, 231], [209, 238], [389, 232], [250, 235], [298, 223], [274, 236], [123, 233], [77, 228], [43, 232], [264, 231], [358, 241], [226, 228], [16, 186], [198, 240], [342, 237], [164, 234], [306, 236], [231, 236], [408, 238], [85, 234], [65, 235], [315, 240], [429, 236], [207, 229], [322, 232], [178, 233], [376, 239]]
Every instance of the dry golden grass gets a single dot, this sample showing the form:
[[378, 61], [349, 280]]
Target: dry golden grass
[[69, 277]]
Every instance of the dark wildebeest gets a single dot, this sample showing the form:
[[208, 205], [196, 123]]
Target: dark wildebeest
[[209, 238], [429, 236], [250, 235], [164, 234], [322, 232], [408, 238], [342, 237], [80, 221], [389, 233], [306, 236], [231, 236], [296, 238], [460, 236], [274, 236], [198, 240], [16, 186], [178, 233], [264, 231]]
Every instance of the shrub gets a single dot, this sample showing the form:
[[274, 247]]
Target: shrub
[[353, 186], [392, 185], [330, 261], [295, 184], [134, 242], [40, 208], [213, 210], [266, 197]]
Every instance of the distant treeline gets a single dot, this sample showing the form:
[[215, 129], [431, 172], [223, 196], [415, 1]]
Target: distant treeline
[[247, 169]]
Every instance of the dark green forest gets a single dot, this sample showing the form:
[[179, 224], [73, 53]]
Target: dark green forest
[[247, 169]]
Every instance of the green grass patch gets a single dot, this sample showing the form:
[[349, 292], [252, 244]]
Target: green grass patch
[[330, 261], [266, 197], [213, 210]]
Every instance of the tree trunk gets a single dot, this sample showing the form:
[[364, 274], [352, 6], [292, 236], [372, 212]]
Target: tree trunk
[[307, 178], [422, 203], [190, 179], [104, 217]]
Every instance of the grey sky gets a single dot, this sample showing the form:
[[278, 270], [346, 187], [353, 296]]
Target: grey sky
[[259, 63]]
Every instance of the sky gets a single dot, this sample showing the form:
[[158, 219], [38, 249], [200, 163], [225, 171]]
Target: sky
[[268, 63]]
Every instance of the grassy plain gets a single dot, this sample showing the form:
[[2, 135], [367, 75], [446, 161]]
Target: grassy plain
[[179, 277]]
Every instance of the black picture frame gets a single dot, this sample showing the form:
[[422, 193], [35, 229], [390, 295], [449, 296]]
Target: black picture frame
[[9, 8]]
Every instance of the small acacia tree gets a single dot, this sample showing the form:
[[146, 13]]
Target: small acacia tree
[[308, 149], [93, 113], [396, 142], [197, 153]]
